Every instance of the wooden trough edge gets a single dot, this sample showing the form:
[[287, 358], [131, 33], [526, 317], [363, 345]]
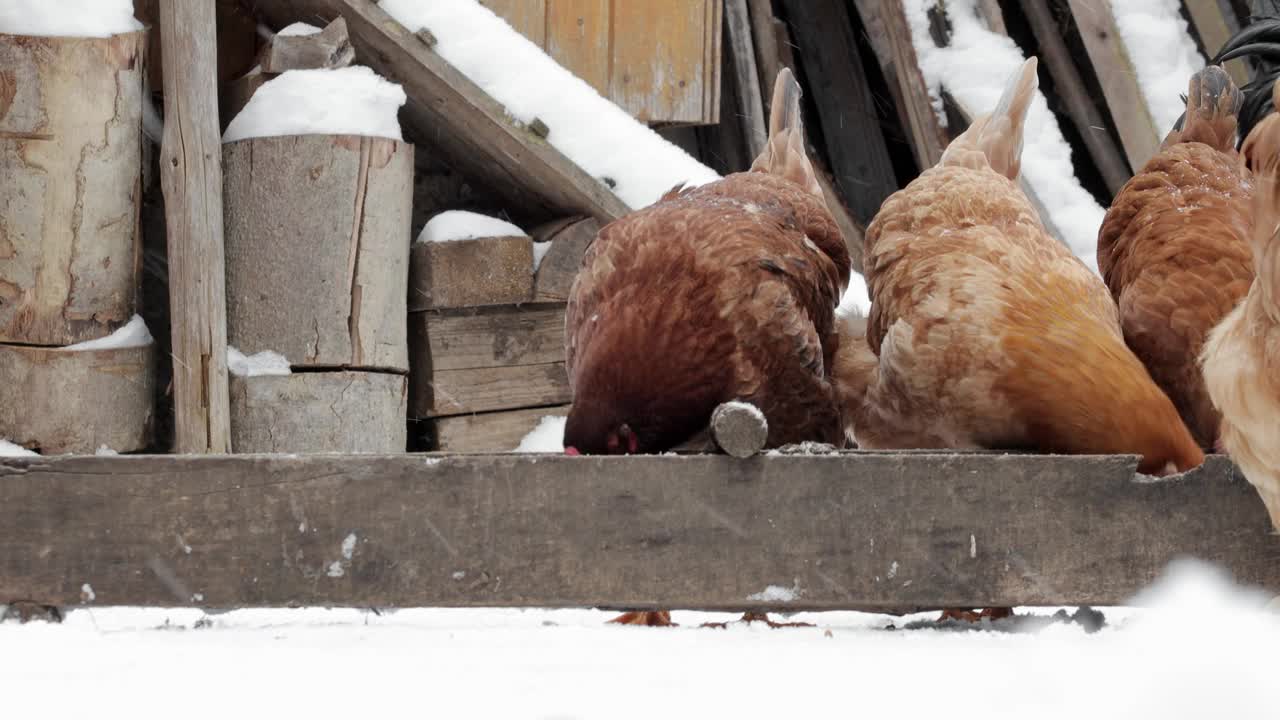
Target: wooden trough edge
[[854, 530]]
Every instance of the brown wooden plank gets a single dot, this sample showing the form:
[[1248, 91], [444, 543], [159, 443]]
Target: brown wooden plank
[[191, 174], [488, 337], [848, 531], [1214, 28], [456, 392], [663, 80], [490, 432], [578, 38], [1070, 87], [469, 128], [465, 273], [1119, 81], [755, 126], [528, 17]]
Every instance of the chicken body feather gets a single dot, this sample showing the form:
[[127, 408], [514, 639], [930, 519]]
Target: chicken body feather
[[1174, 247], [986, 332]]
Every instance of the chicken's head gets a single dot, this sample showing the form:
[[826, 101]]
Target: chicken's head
[[619, 439]]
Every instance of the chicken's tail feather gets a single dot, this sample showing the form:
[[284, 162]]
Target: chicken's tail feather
[[998, 135], [1259, 42], [784, 154], [1213, 103]]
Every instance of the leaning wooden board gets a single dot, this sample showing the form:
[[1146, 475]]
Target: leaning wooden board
[[854, 530]]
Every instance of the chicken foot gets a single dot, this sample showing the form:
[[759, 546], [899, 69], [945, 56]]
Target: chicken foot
[[647, 618], [967, 615], [750, 617]]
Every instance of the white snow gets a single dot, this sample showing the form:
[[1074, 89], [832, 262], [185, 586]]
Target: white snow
[[349, 546], [335, 570], [856, 298], [266, 362], [540, 250], [346, 101], [87, 594], [975, 69], [1162, 52], [777, 593], [67, 18], [104, 450], [132, 334], [453, 225], [298, 29], [547, 437], [1201, 649], [601, 138], [8, 449]]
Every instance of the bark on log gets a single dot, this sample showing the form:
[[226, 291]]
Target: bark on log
[[319, 412], [70, 173], [318, 248], [75, 401]]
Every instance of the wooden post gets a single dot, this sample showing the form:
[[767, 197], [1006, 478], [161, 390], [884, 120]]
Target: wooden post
[[191, 176]]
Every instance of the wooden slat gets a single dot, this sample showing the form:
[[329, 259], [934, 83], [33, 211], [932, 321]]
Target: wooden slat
[[578, 38], [491, 337], [1071, 91], [849, 531], [467, 127], [755, 125], [1214, 28], [528, 17], [191, 175], [1119, 81], [490, 432], [662, 80]]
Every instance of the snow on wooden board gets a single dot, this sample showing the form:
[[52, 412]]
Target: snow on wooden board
[[132, 334], [453, 225], [1200, 648], [67, 18], [1162, 52], [345, 101], [598, 136]]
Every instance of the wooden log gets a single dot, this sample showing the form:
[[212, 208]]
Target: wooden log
[[559, 267], [847, 531], [739, 429], [319, 412], [76, 401], [1138, 133], [191, 175], [490, 432], [469, 273], [330, 48], [1070, 87], [470, 129], [70, 174], [318, 248], [499, 358], [755, 127]]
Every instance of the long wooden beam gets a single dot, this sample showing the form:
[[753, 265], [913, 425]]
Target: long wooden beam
[[470, 129], [841, 531]]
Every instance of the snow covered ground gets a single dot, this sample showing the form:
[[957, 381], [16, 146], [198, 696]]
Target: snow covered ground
[[1202, 650]]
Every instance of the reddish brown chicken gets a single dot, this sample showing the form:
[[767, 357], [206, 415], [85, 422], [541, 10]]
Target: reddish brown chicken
[[1174, 247], [715, 293]]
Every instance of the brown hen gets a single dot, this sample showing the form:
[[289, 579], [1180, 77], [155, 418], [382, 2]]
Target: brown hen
[[985, 332], [715, 293], [1174, 247]]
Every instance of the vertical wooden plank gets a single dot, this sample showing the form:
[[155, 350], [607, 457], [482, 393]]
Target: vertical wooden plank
[[713, 31], [742, 51], [528, 17], [765, 37], [657, 56], [1212, 26], [1119, 81], [191, 175], [578, 38]]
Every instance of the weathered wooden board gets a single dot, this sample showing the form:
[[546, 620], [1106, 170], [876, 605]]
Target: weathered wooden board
[[492, 431], [470, 129], [848, 531], [528, 17], [487, 337], [467, 273], [76, 401], [330, 48], [318, 248], [455, 392], [70, 174], [1119, 81], [559, 267], [677, 79], [319, 412], [754, 124], [577, 36], [1215, 26]]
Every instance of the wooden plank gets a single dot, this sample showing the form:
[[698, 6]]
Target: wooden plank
[[1214, 28], [559, 267], [528, 17], [488, 337], [1138, 133], [847, 531], [466, 273], [330, 48], [1070, 87], [191, 175], [836, 82], [755, 128], [578, 38], [666, 80], [490, 432], [330, 412], [456, 392], [470, 129], [765, 38]]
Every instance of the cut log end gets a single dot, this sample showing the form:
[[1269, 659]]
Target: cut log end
[[739, 429]]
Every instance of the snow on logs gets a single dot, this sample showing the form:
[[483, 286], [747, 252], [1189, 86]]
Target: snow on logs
[[70, 168], [317, 240]]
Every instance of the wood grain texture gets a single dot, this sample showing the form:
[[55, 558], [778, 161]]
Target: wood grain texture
[[318, 248], [492, 431], [528, 17], [848, 531], [471, 130], [328, 49], [578, 38], [75, 401], [755, 126], [70, 193], [456, 392], [191, 176], [488, 337], [669, 80], [467, 273], [319, 412], [555, 274], [1119, 81], [1215, 27]]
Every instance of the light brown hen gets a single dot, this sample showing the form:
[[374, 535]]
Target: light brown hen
[[1174, 247]]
